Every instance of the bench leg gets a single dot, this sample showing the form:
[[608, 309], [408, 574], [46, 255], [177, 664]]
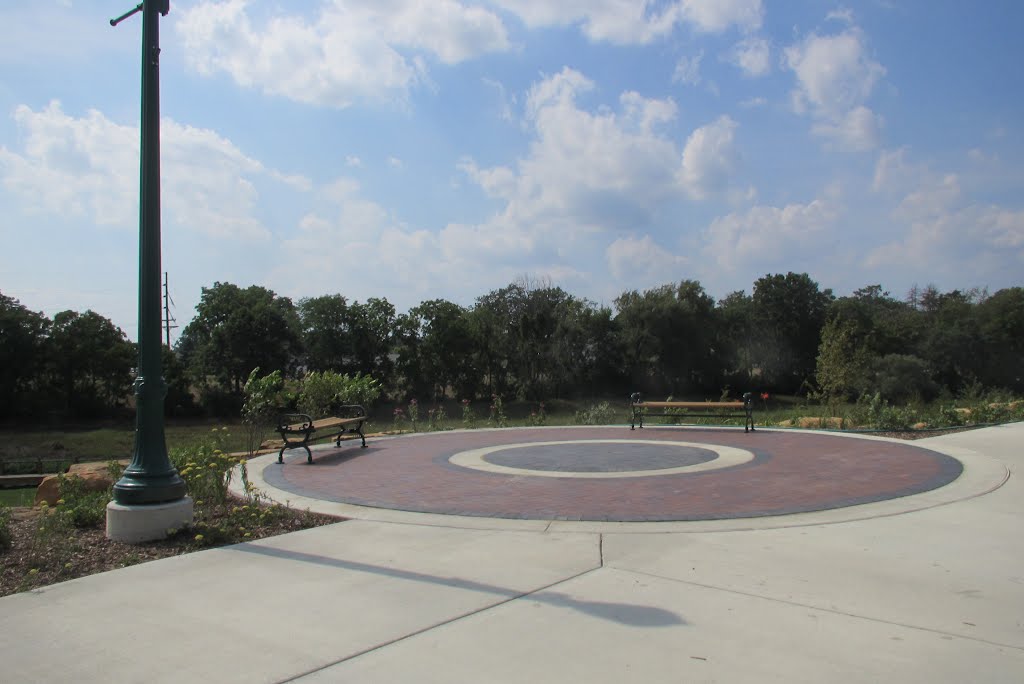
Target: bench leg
[[359, 431], [280, 454], [309, 454]]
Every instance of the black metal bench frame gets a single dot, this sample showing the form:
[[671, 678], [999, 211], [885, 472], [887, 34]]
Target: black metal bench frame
[[299, 429], [744, 409]]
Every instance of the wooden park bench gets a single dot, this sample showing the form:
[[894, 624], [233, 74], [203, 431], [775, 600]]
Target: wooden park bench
[[299, 429], [701, 409]]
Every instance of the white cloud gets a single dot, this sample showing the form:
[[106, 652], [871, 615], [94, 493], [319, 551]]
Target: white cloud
[[752, 56], [89, 168], [499, 181], [835, 76], [843, 14], [859, 129], [632, 259], [587, 169], [764, 236], [353, 160], [891, 170], [588, 177], [940, 232], [505, 100], [715, 16], [627, 22], [351, 51], [395, 163], [688, 70], [709, 158]]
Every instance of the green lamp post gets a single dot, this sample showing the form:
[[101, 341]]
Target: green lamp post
[[150, 482]]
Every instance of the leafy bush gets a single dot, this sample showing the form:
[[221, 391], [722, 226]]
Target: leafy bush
[[596, 414], [901, 378], [497, 417], [322, 391], [436, 418], [468, 416], [883, 416], [949, 416], [263, 400], [206, 469], [82, 508]]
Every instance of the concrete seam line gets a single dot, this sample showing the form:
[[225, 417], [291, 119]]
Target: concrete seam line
[[428, 628], [820, 608]]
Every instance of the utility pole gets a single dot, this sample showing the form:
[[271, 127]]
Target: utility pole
[[168, 319], [150, 497]]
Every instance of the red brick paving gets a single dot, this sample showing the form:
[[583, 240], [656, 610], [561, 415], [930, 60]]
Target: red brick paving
[[792, 472]]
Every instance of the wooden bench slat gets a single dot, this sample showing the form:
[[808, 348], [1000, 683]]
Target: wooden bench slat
[[325, 423]]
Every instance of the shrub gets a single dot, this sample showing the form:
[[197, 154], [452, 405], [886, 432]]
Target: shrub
[[883, 416], [949, 416], [263, 400], [901, 378], [468, 416], [436, 418], [206, 469], [322, 391], [414, 413], [596, 414], [82, 508], [497, 417]]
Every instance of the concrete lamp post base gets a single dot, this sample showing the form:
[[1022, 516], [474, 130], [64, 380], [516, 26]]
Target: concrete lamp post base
[[134, 524]]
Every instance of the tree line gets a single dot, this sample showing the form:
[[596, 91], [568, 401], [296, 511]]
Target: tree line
[[535, 341]]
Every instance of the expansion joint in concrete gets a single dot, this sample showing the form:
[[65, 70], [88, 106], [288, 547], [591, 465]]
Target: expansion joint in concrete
[[442, 623]]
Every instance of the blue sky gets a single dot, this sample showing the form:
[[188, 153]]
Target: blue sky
[[417, 150]]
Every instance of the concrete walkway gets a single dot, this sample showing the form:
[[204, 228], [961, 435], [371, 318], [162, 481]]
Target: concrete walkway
[[931, 595]]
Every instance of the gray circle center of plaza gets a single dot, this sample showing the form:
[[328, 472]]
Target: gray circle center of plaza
[[606, 457]]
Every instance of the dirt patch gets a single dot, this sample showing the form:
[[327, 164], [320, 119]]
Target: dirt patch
[[36, 560]]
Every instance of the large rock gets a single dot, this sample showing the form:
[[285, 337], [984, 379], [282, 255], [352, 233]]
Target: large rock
[[96, 476]]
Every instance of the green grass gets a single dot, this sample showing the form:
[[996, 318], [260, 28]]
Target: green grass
[[106, 443], [21, 496], [103, 444]]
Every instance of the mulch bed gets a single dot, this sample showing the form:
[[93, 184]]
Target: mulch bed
[[30, 565]]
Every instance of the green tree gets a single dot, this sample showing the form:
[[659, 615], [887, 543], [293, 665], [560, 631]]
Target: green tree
[[843, 361], [236, 330], [434, 348], [1001, 325], [736, 341], [669, 336], [952, 344], [326, 333], [23, 336], [789, 312], [371, 327], [90, 363]]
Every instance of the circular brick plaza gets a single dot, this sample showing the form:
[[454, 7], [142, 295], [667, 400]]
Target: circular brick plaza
[[614, 474]]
